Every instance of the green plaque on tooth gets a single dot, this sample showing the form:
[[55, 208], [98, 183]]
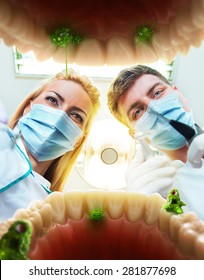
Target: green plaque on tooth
[[15, 244], [174, 203], [96, 215]]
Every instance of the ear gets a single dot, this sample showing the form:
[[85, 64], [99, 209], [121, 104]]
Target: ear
[[175, 88], [27, 108], [183, 100]]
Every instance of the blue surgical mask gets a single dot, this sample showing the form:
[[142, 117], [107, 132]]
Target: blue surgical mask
[[48, 133], [160, 133]]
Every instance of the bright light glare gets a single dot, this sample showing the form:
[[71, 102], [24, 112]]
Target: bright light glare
[[27, 64]]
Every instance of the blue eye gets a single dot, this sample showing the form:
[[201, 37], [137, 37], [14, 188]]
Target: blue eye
[[137, 113], [76, 117], [157, 93], [52, 100]]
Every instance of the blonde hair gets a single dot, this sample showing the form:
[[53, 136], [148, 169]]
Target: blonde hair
[[60, 168]]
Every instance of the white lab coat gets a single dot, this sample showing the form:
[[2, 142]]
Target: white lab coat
[[190, 183], [19, 184]]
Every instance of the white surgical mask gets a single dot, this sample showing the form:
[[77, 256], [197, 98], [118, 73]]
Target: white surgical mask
[[162, 135], [48, 133]]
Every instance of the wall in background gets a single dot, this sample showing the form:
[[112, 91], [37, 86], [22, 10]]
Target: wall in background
[[189, 77]]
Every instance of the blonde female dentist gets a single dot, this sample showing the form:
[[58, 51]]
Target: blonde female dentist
[[46, 135]]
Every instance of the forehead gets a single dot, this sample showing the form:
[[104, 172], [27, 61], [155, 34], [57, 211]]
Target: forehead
[[65, 87], [70, 91], [140, 88], [143, 84]]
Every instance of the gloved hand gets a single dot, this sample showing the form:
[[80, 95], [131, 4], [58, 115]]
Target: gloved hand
[[196, 151], [153, 175]]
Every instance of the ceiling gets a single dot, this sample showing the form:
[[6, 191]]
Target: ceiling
[[113, 32]]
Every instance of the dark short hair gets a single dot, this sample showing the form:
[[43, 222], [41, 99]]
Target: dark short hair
[[125, 79]]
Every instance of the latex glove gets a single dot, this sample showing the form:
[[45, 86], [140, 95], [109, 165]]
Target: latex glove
[[153, 175], [196, 151]]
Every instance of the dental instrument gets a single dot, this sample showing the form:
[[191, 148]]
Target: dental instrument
[[147, 151], [188, 132]]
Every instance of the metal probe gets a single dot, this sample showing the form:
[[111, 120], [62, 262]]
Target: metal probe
[[147, 151]]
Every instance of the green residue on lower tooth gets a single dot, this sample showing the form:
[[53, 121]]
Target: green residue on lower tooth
[[174, 203], [15, 244], [96, 215]]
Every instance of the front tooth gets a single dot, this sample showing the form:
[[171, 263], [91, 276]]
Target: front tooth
[[119, 50], [74, 204], [135, 205], [153, 207], [95, 200], [85, 51], [115, 203], [56, 200]]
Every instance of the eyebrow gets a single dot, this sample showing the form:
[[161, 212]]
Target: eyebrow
[[76, 108], [58, 95], [149, 91]]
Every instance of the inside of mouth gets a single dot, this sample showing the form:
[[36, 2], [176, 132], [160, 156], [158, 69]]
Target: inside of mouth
[[107, 239]]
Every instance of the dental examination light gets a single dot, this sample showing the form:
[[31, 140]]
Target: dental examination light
[[106, 155]]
